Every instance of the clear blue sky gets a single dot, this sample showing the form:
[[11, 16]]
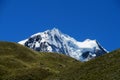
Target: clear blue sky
[[81, 19]]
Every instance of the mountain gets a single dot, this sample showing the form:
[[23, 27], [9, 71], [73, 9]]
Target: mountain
[[18, 62], [55, 41]]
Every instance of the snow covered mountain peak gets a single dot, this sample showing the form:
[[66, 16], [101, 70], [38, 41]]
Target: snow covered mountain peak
[[88, 43], [88, 40], [53, 31], [55, 41]]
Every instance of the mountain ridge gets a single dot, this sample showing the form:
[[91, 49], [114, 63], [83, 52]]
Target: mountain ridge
[[56, 41]]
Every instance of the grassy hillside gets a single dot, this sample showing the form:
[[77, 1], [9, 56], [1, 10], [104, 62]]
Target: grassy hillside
[[106, 67], [20, 63]]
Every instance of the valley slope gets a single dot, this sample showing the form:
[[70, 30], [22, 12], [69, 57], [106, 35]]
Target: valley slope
[[21, 63]]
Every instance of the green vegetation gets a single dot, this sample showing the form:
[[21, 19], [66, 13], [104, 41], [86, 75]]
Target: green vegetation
[[20, 63], [106, 67]]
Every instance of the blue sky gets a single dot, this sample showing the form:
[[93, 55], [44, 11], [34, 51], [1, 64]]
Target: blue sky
[[81, 19]]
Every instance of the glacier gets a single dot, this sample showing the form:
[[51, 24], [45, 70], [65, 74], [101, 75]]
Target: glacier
[[58, 42]]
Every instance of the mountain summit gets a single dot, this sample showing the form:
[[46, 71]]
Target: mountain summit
[[55, 41]]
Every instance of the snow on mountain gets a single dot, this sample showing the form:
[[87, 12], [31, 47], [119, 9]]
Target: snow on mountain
[[55, 41]]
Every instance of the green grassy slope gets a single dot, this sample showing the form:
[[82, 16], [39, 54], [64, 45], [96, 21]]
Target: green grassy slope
[[20, 63], [106, 67]]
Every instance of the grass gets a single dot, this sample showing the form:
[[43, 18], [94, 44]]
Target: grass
[[106, 67], [20, 63]]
